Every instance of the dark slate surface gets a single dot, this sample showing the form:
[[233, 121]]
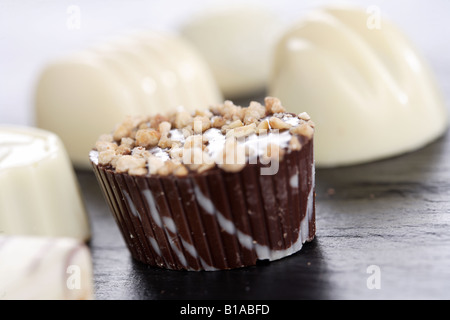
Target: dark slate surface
[[394, 214]]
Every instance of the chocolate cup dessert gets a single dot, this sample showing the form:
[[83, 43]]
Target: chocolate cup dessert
[[211, 214]]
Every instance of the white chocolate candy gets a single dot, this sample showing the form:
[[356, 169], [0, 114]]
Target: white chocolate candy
[[237, 43], [84, 95], [42, 268], [39, 192], [368, 90]]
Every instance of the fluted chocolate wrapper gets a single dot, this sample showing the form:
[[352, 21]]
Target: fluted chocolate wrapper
[[215, 220]]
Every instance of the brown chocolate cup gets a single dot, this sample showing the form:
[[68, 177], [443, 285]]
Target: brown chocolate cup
[[215, 220]]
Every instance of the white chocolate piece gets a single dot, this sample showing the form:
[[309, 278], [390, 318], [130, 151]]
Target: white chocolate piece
[[237, 43], [368, 90], [43, 268], [39, 192], [85, 95]]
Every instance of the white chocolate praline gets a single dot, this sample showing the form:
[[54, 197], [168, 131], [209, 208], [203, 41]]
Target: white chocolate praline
[[237, 43], [368, 90], [86, 94], [44, 268], [39, 192]]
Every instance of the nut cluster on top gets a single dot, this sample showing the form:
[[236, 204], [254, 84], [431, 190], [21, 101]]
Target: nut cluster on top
[[133, 145]]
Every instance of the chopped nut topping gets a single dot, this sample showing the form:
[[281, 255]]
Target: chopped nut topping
[[147, 138], [263, 126], [154, 164], [241, 132], [254, 112], [294, 144], [201, 124], [165, 142], [140, 152], [273, 105], [195, 141], [106, 157], [217, 122], [127, 162], [225, 136], [104, 145], [182, 119], [164, 127], [232, 156], [277, 123], [303, 129], [180, 171], [123, 150], [121, 132], [127, 142], [304, 116]]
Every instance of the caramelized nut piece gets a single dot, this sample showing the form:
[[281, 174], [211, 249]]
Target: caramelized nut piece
[[165, 142], [140, 152], [195, 141], [126, 163], [201, 124], [147, 138], [235, 124], [273, 105], [164, 127], [176, 153], [277, 123], [263, 126], [217, 122], [303, 129], [182, 119], [154, 164], [241, 132], [156, 120], [104, 145], [106, 157], [127, 142], [232, 158], [294, 144], [123, 150], [180, 171], [254, 112], [168, 167], [304, 116], [187, 131], [121, 131], [203, 113]]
